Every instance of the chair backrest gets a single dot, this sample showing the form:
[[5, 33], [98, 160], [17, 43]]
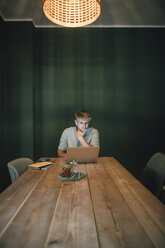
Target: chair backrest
[[153, 175], [18, 166]]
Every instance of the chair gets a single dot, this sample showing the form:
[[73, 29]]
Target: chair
[[18, 166], [153, 175]]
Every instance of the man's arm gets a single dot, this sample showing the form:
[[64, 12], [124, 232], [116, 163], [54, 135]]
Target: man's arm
[[62, 145], [79, 135], [94, 141], [83, 142], [62, 154]]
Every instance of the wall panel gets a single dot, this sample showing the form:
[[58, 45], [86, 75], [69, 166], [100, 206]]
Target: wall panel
[[116, 74]]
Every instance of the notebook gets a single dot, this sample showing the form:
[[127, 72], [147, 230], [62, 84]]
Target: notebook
[[82, 154], [41, 165]]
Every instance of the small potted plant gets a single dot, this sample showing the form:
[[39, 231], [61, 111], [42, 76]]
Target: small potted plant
[[66, 170]]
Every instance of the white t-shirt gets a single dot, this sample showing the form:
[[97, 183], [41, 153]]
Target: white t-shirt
[[69, 139]]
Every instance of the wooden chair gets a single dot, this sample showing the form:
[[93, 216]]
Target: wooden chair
[[153, 175], [17, 167]]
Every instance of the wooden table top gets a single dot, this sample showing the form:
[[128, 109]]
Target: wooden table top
[[108, 208]]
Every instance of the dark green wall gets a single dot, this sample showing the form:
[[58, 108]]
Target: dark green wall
[[117, 74]]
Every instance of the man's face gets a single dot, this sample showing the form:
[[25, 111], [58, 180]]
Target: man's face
[[82, 124]]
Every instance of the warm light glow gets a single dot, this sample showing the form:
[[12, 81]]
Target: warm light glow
[[72, 13]]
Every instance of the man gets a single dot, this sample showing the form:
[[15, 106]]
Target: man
[[80, 135]]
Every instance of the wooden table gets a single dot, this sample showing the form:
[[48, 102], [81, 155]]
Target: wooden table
[[108, 208]]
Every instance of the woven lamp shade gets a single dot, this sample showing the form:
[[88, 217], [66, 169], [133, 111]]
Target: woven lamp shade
[[72, 13]]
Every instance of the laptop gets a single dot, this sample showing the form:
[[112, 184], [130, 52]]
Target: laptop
[[82, 154]]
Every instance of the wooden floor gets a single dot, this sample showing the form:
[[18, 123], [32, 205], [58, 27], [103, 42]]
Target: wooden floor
[[115, 13], [108, 208]]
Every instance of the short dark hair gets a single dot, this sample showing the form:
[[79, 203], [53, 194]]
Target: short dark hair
[[82, 114]]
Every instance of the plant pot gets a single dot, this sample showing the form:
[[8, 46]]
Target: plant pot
[[66, 172]]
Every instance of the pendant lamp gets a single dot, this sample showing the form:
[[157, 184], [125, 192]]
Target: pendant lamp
[[72, 13]]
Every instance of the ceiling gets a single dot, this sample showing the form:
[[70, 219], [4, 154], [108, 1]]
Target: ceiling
[[115, 13]]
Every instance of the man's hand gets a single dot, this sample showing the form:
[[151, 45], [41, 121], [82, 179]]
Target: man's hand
[[79, 135]]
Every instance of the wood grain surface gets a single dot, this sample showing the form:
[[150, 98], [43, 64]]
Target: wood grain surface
[[14, 196], [108, 208]]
